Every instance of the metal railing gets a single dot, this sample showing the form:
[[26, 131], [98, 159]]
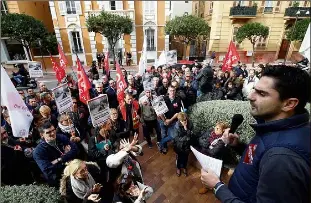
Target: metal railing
[[243, 11], [292, 12]]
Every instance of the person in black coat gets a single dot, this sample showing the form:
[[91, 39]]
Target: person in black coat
[[183, 133], [112, 94], [205, 78]]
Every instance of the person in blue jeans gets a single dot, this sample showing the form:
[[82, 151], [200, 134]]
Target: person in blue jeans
[[168, 120]]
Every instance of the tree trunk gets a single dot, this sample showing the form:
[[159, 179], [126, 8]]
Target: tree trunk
[[114, 57], [253, 56]]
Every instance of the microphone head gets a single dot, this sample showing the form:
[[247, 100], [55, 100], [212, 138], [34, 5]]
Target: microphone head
[[237, 118]]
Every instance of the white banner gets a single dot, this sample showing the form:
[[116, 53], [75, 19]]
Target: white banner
[[159, 105], [171, 57], [305, 45], [35, 69], [20, 115], [63, 98], [143, 59], [162, 59], [99, 109]]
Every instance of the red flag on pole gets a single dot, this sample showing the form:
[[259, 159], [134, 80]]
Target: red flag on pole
[[231, 57], [106, 64], [83, 83], [60, 72], [62, 58], [121, 84]]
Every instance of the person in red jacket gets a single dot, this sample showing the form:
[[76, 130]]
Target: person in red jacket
[[129, 110]]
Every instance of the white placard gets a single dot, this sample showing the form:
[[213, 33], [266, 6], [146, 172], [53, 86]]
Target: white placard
[[35, 69], [159, 105], [249, 53], [171, 57], [208, 162], [99, 109], [63, 98]]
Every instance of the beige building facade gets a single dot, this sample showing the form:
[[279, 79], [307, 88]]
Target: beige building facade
[[225, 17], [148, 17]]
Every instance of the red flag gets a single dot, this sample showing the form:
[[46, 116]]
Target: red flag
[[83, 83], [106, 64], [121, 84], [60, 72], [231, 57], [62, 58]]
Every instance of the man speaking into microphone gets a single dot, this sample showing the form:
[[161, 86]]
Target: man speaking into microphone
[[275, 165]]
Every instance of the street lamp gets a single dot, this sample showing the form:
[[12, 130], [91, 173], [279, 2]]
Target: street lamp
[[40, 45]]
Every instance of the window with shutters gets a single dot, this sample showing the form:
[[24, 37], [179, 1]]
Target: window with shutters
[[4, 8], [211, 6], [149, 7], [150, 39], [112, 5], [277, 6], [76, 42], [261, 43], [71, 7], [234, 32], [268, 6]]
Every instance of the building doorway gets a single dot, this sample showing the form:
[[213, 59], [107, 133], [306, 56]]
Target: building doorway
[[283, 49]]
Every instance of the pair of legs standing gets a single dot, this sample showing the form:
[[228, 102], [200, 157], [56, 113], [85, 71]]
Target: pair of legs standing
[[148, 128], [167, 134], [181, 162]]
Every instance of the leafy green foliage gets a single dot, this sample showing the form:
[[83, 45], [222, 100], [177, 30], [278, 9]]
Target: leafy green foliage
[[205, 115], [110, 25], [48, 44], [187, 28], [23, 28], [252, 32], [29, 193], [298, 31]]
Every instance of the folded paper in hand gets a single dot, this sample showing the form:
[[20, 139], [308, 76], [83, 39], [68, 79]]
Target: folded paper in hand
[[208, 162]]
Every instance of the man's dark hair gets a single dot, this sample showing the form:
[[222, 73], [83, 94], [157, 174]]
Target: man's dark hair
[[290, 82], [46, 125]]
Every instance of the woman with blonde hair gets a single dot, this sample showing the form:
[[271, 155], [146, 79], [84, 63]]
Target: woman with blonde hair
[[45, 112], [78, 183]]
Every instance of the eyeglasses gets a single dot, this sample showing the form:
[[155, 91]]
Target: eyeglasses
[[51, 131], [75, 102], [124, 178]]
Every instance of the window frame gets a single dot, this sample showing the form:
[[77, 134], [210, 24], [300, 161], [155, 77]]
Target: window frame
[[72, 9], [150, 39], [111, 6], [4, 8], [149, 7], [76, 42], [268, 6]]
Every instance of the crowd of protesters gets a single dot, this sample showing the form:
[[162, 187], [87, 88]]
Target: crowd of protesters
[[99, 164]]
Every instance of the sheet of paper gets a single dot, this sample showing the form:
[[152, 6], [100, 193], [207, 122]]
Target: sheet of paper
[[208, 162]]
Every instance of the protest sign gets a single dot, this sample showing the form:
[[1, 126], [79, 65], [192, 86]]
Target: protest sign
[[159, 105], [171, 57], [63, 98], [35, 69], [99, 109]]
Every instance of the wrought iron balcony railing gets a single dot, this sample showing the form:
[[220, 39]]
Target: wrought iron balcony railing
[[243, 11], [304, 12]]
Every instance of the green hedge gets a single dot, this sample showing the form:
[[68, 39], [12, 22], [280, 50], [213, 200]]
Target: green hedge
[[205, 115], [29, 194]]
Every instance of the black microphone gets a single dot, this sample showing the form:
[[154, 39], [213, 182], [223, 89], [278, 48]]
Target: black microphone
[[236, 121]]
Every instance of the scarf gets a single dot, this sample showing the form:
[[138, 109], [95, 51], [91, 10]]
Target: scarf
[[213, 137], [82, 189], [65, 129]]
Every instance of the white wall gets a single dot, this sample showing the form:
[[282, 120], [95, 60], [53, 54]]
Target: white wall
[[180, 7]]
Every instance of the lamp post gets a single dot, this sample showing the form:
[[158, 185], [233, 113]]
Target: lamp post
[[40, 45]]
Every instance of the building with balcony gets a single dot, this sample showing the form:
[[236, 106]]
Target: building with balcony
[[12, 50], [149, 17], [225, 17]]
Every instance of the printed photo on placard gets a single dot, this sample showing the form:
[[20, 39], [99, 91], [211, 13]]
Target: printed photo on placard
[[159, 105], [99, 109], [35, 69], [63, 98]]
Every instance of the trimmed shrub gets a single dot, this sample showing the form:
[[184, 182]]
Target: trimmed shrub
[[205, 115], [30, 193]]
